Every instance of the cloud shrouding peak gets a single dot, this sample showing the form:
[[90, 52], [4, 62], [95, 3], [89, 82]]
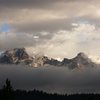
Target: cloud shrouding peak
[[64, 43]]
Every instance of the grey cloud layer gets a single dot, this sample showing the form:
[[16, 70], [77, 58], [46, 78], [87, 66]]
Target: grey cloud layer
[[47, 15]]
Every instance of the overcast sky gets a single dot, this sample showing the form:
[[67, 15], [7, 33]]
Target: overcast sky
[[52, 26]]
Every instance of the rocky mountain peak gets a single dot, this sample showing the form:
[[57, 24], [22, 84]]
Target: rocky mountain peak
[[14, 55], [82, 55]]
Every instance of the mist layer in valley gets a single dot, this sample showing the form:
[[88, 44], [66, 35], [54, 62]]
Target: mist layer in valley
[[51, 78]]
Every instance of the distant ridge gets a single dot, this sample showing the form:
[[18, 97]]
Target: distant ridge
[[19, 55]]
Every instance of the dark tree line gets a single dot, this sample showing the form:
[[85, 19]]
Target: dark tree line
[[8, 93]]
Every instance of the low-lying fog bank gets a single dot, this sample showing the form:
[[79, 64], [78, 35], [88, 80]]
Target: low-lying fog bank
[[52, 79]]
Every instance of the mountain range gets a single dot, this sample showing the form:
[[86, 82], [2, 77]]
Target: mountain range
[[19, 55]]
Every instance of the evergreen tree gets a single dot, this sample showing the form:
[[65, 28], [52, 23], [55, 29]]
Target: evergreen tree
[[7, 89]]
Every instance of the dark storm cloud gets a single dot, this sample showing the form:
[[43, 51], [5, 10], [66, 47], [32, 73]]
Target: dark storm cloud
[[27, 3], [34, 3]]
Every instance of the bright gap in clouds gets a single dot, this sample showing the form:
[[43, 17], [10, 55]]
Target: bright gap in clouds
[[5, 27]]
